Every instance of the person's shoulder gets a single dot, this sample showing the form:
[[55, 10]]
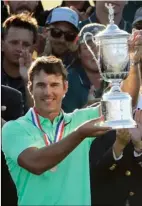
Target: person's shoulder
[[85, 113], [9, 127], [13, 124], [6, 90]]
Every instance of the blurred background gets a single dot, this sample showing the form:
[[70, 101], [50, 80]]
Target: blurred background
[[48, 4]]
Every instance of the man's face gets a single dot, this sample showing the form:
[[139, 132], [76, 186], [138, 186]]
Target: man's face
[[86, 57], [15, 41], [48, 91], [60, 45], [20, 6], [118, 6]]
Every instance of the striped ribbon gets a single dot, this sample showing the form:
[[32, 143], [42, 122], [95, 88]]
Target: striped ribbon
[[58, 132]]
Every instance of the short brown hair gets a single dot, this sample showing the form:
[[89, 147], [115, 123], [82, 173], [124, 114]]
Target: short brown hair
[[24, 21], [48, 64]]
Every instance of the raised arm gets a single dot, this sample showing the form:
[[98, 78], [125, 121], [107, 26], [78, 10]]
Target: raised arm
[[133, 81]]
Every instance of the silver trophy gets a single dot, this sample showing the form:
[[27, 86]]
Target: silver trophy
[[113, 63]]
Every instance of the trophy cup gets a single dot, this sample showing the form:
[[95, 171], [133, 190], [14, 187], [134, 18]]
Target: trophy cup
[[113, 63]]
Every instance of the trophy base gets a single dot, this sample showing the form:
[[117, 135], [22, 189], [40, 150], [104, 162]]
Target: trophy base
[[120, 124], [116, 108]]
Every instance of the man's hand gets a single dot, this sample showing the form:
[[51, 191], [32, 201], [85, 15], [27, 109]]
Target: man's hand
[[122, 139], [136, 133], [41, 40], [135, 44], [25, 61], [83, 15], [91, 128]]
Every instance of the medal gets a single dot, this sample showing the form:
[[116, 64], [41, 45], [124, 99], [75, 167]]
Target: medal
[[58, 133]]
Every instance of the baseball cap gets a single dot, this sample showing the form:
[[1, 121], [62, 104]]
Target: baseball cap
[[138, 16], [63, 14], [92, 28]]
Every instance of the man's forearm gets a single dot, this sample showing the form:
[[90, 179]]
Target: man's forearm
[[38, 161], [132, 84]]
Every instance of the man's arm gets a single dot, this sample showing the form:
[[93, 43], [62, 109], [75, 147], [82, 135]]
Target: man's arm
[[13, 101], [132, 84], [38, 160]]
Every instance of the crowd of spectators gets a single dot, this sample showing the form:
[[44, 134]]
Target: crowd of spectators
[[28, 33]]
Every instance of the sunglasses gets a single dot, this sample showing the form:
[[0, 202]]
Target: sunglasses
[[57, 33]]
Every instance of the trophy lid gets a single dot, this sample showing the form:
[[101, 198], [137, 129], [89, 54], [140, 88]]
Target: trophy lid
[[112, 30]]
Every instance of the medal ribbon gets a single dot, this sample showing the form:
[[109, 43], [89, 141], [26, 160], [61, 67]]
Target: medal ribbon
[[58, 132]]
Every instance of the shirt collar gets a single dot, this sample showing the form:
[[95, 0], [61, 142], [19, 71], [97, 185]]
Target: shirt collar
[[67, 118]]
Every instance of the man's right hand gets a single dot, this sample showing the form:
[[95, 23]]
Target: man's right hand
[[122, 139], [92, 128], [83, 15], [25, 61]]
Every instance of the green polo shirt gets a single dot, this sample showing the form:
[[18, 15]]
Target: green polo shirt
[[70, 183]]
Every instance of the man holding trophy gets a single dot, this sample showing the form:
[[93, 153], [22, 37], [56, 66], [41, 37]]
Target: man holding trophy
[[47, 150], [116, 157]]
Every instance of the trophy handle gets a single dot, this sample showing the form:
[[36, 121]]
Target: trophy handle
[[94, 57]]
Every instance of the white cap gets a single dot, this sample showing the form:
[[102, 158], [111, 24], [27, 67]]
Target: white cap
[[63, 14]]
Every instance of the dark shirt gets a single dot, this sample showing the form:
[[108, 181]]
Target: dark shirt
[[9, 194], [114, 183], [16, 83], [12, 99], [79, 86], [130, 10]]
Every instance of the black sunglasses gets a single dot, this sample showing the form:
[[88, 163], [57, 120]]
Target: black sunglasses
[[57, 33]]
